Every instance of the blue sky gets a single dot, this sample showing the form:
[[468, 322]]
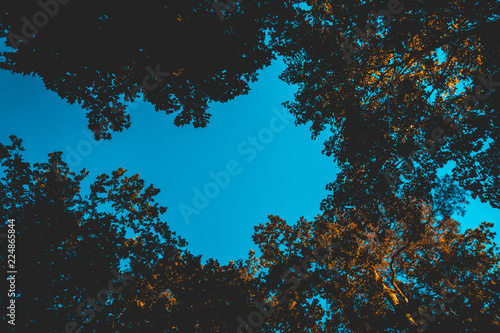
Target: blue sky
[[286, 176]]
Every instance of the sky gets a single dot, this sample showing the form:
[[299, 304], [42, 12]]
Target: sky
[[251, 160]]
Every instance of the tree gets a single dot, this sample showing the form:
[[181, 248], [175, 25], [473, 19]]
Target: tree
[[330, 274], [397, 96], [386, 83], [178, 53], [386, 280], [68, 245]]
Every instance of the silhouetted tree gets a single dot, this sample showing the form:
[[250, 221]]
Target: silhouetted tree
[[94, 52], [67, 244], [397, 94], [386, 280], [385, 87]]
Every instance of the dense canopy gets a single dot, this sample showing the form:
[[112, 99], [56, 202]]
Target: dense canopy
[[404, 87]]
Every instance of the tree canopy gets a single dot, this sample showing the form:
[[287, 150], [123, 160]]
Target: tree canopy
[[405, 88], [398, 93], [95, 52], [69, 243], [331, 275]]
